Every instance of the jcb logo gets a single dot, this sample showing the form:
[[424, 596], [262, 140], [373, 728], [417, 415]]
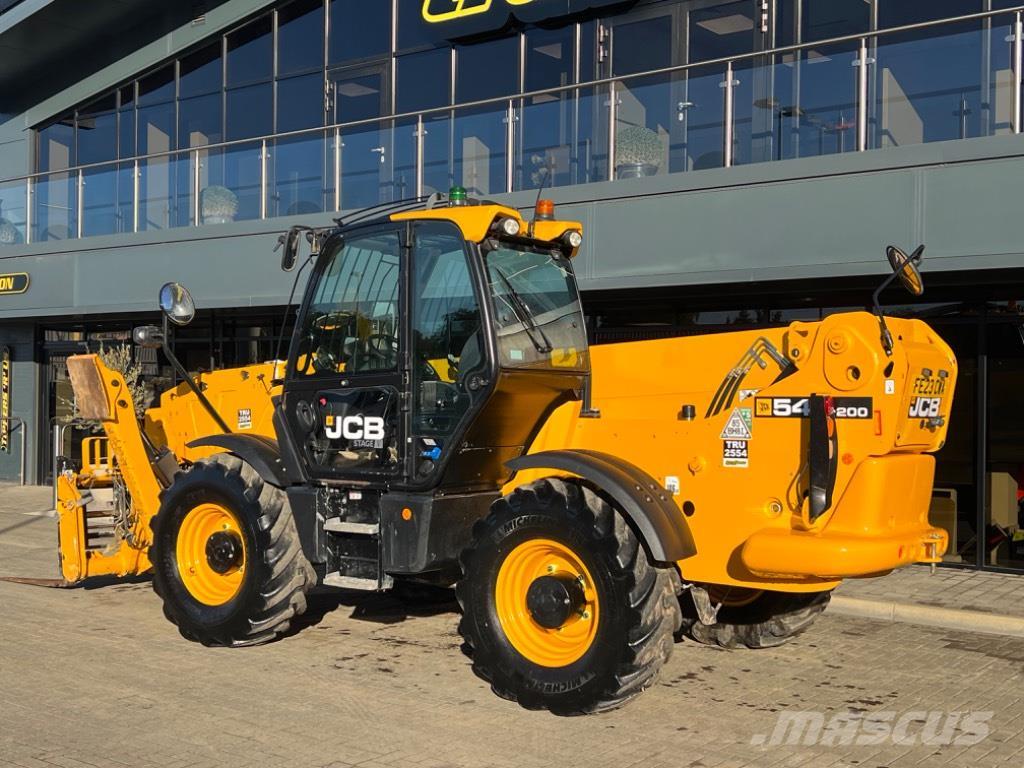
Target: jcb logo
[[925, 407], [355, 428]]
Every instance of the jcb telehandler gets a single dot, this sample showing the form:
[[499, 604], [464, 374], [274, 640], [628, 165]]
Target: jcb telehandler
[[440, 418]]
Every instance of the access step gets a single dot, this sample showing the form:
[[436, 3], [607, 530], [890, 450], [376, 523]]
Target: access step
[[337, 525], [352, 582]]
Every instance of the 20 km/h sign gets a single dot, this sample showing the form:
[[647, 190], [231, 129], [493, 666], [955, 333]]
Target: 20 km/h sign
[[14, 283]]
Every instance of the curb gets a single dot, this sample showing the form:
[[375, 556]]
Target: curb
[[928, 616]]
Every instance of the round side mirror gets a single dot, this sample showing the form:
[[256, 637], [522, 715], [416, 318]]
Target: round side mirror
[[906, 269], [177, 304]]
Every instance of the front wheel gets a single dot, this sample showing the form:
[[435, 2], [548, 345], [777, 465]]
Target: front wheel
[[561, 609], [226, 557]]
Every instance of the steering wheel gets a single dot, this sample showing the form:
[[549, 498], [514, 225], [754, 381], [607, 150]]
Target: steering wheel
[[375, 345], [332, 320]]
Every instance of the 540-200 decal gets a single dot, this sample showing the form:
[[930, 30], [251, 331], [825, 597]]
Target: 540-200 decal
[[800, 408]]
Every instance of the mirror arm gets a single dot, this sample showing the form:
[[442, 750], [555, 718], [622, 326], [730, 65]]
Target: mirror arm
[[876, 300], [196, 389]]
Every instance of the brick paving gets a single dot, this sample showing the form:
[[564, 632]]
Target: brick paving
[[955, 588], [97, 677]]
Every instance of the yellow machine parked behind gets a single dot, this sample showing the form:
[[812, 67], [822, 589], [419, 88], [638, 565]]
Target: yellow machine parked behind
[[440, 418]]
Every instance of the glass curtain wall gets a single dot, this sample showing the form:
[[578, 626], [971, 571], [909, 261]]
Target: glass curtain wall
[[309, 64]]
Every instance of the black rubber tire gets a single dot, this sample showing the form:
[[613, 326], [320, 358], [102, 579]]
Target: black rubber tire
[[770, 620], [277, 577], [639, 609]]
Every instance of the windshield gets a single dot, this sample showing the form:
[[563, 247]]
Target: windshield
[[539, 321]]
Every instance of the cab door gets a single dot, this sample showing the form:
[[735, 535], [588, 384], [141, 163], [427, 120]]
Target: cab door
[[344, 391]]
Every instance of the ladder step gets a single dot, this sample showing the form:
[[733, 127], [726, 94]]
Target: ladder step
[[337, 525], [351, 582]]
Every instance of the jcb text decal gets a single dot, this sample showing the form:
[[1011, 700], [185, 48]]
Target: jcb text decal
[[355, 428], [925, 407], [800, 408]]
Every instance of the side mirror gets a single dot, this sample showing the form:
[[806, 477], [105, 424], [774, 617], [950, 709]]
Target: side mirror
[[148, 336], [177, 304], [905, 268], [290, 241]]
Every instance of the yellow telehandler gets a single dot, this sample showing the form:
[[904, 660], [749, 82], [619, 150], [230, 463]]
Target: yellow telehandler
[[440, 418]]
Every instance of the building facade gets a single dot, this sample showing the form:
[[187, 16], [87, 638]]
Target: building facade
[[735, 164]]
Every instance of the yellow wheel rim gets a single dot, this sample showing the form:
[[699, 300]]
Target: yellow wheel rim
[[205, 583], [547, 647]]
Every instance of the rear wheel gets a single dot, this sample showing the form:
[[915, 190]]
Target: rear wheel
[[226, 557], [753, 618], [561, 609]]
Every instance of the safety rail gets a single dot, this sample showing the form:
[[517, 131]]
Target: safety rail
[[727, 112], [18, 424]]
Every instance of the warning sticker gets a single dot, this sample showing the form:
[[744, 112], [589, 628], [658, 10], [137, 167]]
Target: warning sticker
[[738, 425], [245, 418], [735, 453]]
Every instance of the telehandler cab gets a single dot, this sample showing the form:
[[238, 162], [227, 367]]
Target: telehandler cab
[[440, 418]]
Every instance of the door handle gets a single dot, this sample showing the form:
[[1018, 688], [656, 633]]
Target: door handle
[[379, 151]]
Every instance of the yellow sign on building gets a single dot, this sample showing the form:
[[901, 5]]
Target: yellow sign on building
[[14, 283]]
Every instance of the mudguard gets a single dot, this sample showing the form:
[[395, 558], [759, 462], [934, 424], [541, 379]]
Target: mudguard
[[647, 505], [261, 453]]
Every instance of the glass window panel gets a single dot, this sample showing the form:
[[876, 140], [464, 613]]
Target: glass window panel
[[201, 72], [643, 45], [813, 109], [366, 158], [297, 166], [940, 87], [156, 129], [360, 281], [158, 87], [102, 194], [446, 334], [588, 52], [359, 30], [834, 18], [250, 111], [720, 31], [896, 13], [229, 183], [300, 102], [126, 122], [413, 31], [56, 145], [12, 212], [97, 131], [549, 57], [358, 96], [487, 70], [55, 207], [479, 150], [699, 136], [199, 120], [300, 37], [423, 80], [158, 181], [437, 159], [250, 53], [643, 126]]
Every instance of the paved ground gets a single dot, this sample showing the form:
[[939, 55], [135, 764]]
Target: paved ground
[[96, 677], [957, 588]]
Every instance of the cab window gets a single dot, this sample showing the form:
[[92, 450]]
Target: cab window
[[447, 344], [352, 322]]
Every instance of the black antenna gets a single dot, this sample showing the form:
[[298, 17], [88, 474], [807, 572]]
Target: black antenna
[[540, 191]]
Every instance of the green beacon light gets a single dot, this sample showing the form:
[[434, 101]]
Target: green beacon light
[[458, 196]]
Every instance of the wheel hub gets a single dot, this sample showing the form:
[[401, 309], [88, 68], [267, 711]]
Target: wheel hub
[[223, 551], [552, 600]]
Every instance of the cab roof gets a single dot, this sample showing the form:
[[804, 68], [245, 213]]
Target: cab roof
[[475, 220]]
